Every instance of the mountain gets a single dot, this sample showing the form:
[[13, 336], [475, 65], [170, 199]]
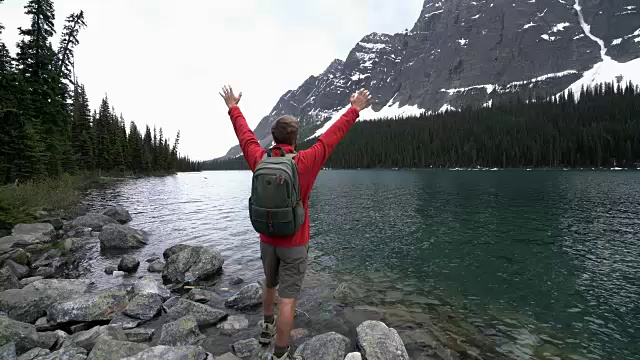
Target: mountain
[[463, 52]]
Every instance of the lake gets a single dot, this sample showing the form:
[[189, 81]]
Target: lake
[[542, 263]]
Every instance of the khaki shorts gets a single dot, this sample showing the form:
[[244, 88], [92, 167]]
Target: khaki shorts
[[285, 266]]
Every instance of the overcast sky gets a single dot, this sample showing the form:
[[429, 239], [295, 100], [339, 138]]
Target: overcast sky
[[163, 62]]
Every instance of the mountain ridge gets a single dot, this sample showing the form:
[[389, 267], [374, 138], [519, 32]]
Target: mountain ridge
[[463, 52]]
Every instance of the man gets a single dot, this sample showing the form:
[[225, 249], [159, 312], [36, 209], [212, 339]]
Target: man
[[284, 259]]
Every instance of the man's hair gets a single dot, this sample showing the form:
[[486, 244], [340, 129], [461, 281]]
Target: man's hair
[[285, 130]]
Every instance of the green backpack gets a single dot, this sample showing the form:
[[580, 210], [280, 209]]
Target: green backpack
[[275, 205]]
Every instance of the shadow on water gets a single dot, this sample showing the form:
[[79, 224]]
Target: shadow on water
[[540, 264]]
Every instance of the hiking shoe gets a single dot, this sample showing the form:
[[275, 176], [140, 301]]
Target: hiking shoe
[[268, 332], [288, 356]]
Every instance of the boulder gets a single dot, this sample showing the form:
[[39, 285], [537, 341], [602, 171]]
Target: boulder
[[80, 232], [35, 233], [31, 302], [80, 327], [156, 266], [97, 222], [378, 342], [88, 339], [68, 353], [43, 325], [61, 336], [170, 303], [23, 335], [20, 271], [115, 236], [125, 322], [93, 307], [110, 269], [34, 354], [148, 285], [45, 272], [152, 259], [192, 264], [234, 322], [171, 353], [329, 346], [248, 297], [144, 306], [169, 252], [29, 280], [106, 349], [202, 296], [50, 258], [205, 315], [236, 280], [57, 223], [183, 331], [77, 211], [228, 356], [8, 280], [353, 356], [244, 348], [128, 264], [139, 335], [119, 273], [8, 351], [118, 213], [19, 256]]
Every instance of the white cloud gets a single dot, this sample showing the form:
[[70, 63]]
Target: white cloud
[[163, 62]]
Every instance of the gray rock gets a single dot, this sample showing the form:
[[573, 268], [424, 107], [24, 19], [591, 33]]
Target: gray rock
[[169, 252], [205, 315], [88, 339], [236, 280], [329, 346], [153, 259], [31, 302], [29, 280], [23, 335], [418, 337], [43, 325], [97, 222], [8, 351], [115, 236], [227, 356], [144, 306], [192, 264], [118, 213], [156, 266], [148, 285], [244, 348], [202, 296], [34, 354], [248, 297], [125, 322], [20, 271], [57, 223], [77, 211], [110, 269], [8, 280], [234, 322], [139, 335], [183, 331], [93, 307], [50, 337], [19, 256], [45, 272], [79, 232], [40, 232], [80, 327], [61, 337], [68, 353], [378, 342], [128, 264], [119, 273], [171, 353], [353, 356], [51, 258], [170, 303], [106, 349]]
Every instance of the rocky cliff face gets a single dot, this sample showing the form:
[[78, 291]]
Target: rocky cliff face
[[464, 52]]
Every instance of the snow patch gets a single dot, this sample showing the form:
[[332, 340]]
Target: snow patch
[[636, 39], [528, 25], [560, 27], [488, 88], [578, 37], [616, 41], [375, 47], [630, 7], [488, 104], [587, 30], [463, 42], [358, 76], [543, 77], [433, 13], [608, 70], [447, 107], [544, 12], [549, 38], [627, 12], [475, 17]]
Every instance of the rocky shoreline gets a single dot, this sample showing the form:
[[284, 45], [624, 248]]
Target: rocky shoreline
[[47, 313]]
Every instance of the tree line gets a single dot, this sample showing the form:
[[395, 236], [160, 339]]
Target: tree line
[[46, 125], [599, 129]]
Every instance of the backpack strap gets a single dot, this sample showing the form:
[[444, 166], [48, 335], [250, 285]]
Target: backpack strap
[[282, 154]]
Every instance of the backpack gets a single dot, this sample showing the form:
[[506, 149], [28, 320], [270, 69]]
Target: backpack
[[275, 205]]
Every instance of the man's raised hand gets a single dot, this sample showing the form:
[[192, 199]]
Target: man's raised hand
[[229, 97], [361, 99]]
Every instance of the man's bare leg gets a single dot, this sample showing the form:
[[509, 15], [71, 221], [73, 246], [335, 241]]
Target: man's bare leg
[[268, 300], [286, 313]]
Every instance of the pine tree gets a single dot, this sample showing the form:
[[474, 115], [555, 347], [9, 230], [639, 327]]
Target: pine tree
[[81, 133], [103, 153], [147, 151]]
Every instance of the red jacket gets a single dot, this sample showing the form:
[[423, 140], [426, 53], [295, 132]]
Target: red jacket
[[309, 163]]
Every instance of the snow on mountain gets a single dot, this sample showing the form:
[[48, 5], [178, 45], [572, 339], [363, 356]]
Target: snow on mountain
[[462, 52]]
